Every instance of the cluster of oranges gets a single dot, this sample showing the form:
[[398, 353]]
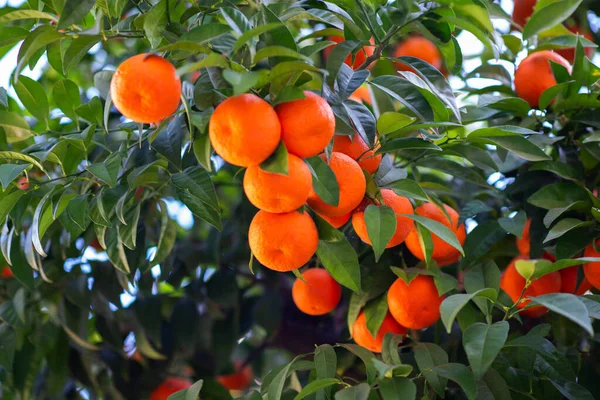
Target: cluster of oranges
[[563, 281]]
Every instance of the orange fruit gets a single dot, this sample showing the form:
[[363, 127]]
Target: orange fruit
[[358, 150], [279, 193], [6, 273], [524, 244], [522, 11], [336, 222], [319, 295], [145, 88], [359, 58], [400, 205], [239, 380], [442, 251], [168, 387], [568, 277], [513, 283], [421, 48], [442, 262], [363, 337], [244, 130], [361, 94], [283, 242], [569, 53], [23, 183], [307, 125], [352, 184], [534, 75], [415, 305], [592, 270]]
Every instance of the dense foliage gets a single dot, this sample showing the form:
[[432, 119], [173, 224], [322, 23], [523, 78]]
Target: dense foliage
[[127, 244]]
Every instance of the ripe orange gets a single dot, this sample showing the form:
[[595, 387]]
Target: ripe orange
[[513, 283], [23, 183], [352, 184], [442, 251], [363, 337], [359, 58], [522, 11], [239, 380], [244, 130], [283, 242], [279, 193], [145, 88], [592, 270], [307, 125], [319, 295], [6, 273], [524, 243], [442, 262], [358, 150], [361, 94], [415, 305], [569, 54], [336, 222], [400, 205], [568, 277], [168, 387], [418, 47], [534, 75]]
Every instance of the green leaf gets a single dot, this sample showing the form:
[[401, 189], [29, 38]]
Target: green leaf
[[33, 97], [381, 226], [278, 51], [235, 19], [15, 127], [389, 350], [482, 343], [242, 82], [461, 375], [128, 232], [40, 37], [203, 150], [67, 98], [563, 170], [452, 305], [558, 195], [25, 14], [389, 122], [567, 305], [155, 22], [278, 382], [77, 211], [549, 94], [8, 346], [406, 93], [324, 182], [565, 225], [397, 388], [481, 276], [169, 141], [440, 230], [514, 225], [472, 208], [428, 356], [8, 201], [375, 313], [167, 237], [108, 171], [116, 252], [191, 393], [91, 111], [325, 366], [74, 12], [493, 386], [196, 190], [366, 357], [407, 144], [408, 188], [358, 392], [341, 261], [78, 49], [549, 16], [252, 33], [36, 234], [147, 174], [315, 386], [277, 163], [9, 172], [571, 390]]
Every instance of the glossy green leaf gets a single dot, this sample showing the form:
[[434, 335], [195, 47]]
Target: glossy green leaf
[[482, 343]]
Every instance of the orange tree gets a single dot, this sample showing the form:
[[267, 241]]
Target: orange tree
[[299, 199]]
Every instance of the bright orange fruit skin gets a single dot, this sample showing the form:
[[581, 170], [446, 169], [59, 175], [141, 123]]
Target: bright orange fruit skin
[[569, 54], [168, 387], [400, 205], [421, 48], [307, 125], [356, 148], [359, 58], [352, 184], [534, 75], [513, 283], [145, 88], [283, 242], [524, 243], [244, 130], [319, 295], [568, 277], [279, 193], [592, 270], [415, 305], [363, 337], [239, 380], [442, 251], [361, 94], [337, 222]]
